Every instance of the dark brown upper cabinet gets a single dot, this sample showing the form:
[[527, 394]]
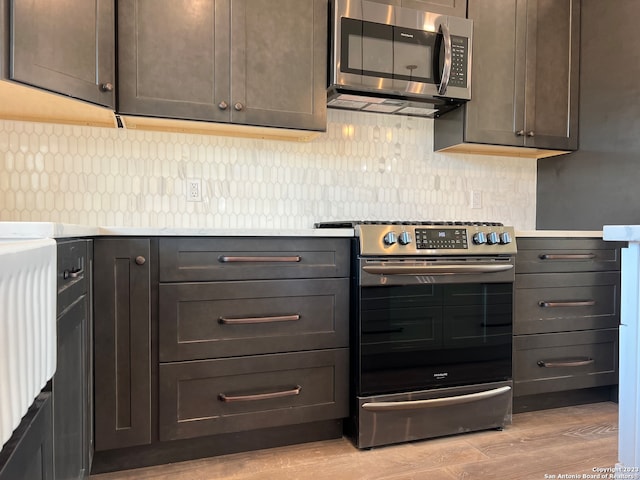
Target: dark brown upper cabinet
[[524, 78], [229, 61], [64, 46]]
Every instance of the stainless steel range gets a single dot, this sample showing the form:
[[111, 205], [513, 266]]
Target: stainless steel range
[[432, 306]]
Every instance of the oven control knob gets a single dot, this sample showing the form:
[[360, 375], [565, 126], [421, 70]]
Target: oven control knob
[[390, 238], [404, 238], [493, 238], [479, 238], [505, 238]]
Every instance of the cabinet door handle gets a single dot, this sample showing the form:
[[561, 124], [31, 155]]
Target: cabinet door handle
[[578, 362], [231, 259], [520, 133], [238, 106], [567, 256], [260, 396], [140, 260], [249, 320], [223, 105], [576, 303], [72, 273], [531, 134], [106, 87]]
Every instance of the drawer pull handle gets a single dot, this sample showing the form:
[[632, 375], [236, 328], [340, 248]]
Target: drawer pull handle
[[578, 303], [260, 396], [567, 256], [433, 402], [580, 362], [227, 259], [72, 273], [248, 320]]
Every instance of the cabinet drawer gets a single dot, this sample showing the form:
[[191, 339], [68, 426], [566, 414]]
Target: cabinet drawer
[[232, 258], [556, 302], [72, 272], [553, 362], [224, 319], [540, 255], [248, 393]]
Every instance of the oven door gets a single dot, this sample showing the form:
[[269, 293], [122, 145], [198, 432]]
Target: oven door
[[427, 324]]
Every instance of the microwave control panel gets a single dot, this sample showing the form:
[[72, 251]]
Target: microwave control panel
[[459, 59]]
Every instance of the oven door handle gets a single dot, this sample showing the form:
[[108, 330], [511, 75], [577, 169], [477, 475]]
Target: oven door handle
[[395, 269], [433, 402]]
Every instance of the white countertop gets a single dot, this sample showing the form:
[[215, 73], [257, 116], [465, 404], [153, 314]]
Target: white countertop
[[560, 233], [625, 233], [226, 232], [26, 230], [65, 230], [45, 230]]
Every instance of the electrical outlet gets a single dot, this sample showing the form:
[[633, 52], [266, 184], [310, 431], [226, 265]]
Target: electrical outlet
[[476, 199], [194, 190]]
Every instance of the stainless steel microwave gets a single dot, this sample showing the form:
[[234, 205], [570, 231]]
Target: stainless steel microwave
[[391, 59]]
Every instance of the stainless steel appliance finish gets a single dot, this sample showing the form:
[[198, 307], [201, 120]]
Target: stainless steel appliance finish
[[390, 59], [431, 333]]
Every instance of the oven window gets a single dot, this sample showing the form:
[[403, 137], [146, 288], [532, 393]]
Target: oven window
[[426, 336]]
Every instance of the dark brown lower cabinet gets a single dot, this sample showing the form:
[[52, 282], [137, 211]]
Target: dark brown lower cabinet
[[28, 454], [122, 323], [566, 316], [72, 383], [213, 345]]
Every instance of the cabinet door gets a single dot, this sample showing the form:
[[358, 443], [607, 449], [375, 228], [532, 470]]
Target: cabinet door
[[495, 113], [173, 58], [279, 62], [66, 46], [553, 40], [122, 328], [72, 385], [69, 390]]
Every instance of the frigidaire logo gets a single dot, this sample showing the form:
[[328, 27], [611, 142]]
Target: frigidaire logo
[[440, 376], [408, 35]]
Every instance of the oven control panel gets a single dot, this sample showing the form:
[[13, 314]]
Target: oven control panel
[[400, 239], [441, 238]]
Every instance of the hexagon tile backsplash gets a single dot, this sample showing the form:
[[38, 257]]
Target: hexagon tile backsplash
[[366, 166]]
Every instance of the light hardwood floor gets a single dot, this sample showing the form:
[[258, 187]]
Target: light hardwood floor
[[564, 441]]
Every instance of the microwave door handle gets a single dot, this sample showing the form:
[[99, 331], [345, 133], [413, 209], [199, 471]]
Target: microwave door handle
[[448, 56]]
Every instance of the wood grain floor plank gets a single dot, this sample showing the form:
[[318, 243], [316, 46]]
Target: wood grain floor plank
[[572, 459], [569, 440]]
